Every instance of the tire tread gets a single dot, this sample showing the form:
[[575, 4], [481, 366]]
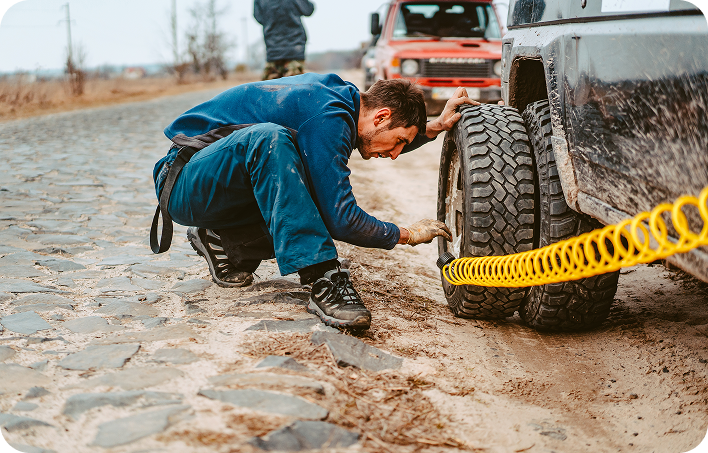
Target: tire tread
[[568, 306], [499, 202]]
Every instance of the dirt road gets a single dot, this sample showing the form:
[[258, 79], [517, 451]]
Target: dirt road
[[638, 383]]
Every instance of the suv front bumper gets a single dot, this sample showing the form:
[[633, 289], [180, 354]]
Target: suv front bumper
[[436, 97]]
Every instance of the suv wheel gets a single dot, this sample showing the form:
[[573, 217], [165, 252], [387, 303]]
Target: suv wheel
[[486, 197], [575, 305]]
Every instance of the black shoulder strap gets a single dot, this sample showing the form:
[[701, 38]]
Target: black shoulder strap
[[183, 156]]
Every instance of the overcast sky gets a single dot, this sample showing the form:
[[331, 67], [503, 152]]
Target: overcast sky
[[33, 32]]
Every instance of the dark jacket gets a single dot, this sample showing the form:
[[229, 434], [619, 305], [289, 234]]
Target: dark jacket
[[324, 111], [284, 34]]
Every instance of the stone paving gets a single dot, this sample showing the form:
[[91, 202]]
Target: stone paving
[[105, 346]]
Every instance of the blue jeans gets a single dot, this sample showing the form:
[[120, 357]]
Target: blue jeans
[[255, 177]]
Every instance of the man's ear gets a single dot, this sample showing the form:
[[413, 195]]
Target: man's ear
[[382, 115]]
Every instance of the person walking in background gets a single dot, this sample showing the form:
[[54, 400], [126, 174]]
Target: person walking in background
[[284, 35]]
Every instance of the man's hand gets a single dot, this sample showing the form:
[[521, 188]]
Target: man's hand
[[449, 115], [424, 231]]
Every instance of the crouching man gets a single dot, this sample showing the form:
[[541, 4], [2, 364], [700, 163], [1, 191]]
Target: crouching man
[[260, 171]]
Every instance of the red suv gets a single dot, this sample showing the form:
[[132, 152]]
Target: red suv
[[440, 45]]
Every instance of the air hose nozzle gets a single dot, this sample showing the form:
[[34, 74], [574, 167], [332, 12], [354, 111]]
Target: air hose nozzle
[[445, 259]]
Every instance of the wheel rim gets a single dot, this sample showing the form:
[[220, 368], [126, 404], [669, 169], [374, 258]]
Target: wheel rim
[[454, 217]]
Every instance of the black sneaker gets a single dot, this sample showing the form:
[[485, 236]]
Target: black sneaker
[[208, 244], [336, 302]]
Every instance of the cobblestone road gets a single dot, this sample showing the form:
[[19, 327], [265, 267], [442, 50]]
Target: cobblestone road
[[104, 345]]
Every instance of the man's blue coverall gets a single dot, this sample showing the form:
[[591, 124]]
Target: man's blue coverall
[[296, 189]]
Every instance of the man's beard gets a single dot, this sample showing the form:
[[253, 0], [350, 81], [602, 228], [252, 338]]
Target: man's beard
[[363, 142]]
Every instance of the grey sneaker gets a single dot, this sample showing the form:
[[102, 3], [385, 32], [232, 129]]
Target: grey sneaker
[[208, 244], [336, 302]]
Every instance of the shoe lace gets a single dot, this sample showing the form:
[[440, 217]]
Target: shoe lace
[[346, 289]]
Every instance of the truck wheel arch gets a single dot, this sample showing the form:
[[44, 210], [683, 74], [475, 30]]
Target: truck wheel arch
[[527, 82]]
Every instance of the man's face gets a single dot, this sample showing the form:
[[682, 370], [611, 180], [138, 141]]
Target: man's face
[[380, 141]]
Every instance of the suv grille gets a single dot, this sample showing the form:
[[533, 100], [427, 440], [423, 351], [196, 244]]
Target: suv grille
[[455, 69]]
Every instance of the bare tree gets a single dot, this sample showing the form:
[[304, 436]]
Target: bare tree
[[194, 50], [178, 67], [207, 45], [75, 70], [74, 60], [173, 33]]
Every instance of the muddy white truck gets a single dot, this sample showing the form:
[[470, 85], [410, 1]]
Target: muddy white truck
[[605, 116]]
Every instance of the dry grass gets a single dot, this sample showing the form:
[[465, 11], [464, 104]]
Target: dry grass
[[195, 438], [388, 408], [391, 409], [21, 100], [242, 426]]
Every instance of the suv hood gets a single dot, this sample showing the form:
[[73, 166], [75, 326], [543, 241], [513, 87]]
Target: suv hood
[[446, 48]]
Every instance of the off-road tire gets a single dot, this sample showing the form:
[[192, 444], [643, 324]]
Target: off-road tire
[[568, 306], [486, 196]]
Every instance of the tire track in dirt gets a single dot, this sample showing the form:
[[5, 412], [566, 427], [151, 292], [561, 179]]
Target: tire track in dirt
[[558, 374]]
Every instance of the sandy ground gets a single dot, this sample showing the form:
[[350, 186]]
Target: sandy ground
[[638, 383]]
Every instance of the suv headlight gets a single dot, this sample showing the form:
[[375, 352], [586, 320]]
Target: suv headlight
[[409, 67], [498, 68]]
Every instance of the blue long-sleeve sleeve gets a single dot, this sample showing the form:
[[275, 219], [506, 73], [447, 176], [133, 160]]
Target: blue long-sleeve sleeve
[[326, 157]]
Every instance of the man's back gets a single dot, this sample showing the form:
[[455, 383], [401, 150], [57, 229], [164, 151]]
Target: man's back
[[323, 109], [284, 34], [289, 102]]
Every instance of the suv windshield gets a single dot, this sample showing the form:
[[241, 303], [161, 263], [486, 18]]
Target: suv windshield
[[446, 20]]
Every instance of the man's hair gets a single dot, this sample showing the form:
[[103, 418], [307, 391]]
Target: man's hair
[[404, 98]]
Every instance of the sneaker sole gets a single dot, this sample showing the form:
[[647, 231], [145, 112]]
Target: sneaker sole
[[200, 248], [361, 322]]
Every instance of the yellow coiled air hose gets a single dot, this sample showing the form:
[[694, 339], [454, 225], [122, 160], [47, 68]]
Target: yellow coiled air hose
[[642, 239]]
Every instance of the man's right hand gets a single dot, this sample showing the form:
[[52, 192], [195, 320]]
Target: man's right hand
[[424, 231]]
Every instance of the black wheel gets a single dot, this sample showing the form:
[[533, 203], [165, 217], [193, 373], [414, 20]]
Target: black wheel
[[568, 306], [486, 197]]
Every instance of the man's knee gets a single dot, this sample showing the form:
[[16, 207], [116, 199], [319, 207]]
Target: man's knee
[[272, 144], [273, 132]]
